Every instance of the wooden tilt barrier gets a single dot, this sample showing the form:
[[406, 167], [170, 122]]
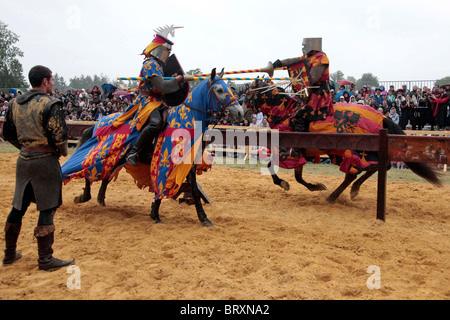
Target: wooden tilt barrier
[[406, 148], [413, 147]]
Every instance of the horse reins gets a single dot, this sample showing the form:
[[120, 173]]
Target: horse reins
[[211, 96]]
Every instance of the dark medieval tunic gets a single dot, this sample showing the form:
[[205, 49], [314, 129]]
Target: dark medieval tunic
[[35, 124]]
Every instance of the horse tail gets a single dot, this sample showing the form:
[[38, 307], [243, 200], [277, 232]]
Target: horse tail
[[423, 170], [85, 136]]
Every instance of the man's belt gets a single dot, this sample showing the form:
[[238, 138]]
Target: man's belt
[[39, 149]]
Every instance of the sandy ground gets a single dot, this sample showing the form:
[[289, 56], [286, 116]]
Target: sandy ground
[[267, 243]]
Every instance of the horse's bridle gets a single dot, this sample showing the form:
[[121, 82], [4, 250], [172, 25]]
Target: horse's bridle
[[214, 114]]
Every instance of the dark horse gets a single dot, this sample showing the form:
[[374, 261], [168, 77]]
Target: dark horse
[[281, 107], [206, 103]]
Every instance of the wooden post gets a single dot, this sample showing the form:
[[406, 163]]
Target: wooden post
[[382, 171]]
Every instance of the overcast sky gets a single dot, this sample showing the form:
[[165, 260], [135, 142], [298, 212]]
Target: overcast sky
[[392, 39]]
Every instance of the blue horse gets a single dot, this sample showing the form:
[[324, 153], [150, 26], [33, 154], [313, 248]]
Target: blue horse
[[205, 105]]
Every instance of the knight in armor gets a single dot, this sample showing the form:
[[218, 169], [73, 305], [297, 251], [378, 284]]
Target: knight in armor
[[35, 124], [149, 105], [318, 104]]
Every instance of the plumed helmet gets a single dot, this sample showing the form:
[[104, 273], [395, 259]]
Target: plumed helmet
[[161, 46], [310, 44]]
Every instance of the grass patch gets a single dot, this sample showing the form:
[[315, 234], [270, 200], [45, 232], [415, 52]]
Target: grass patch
[[393, 174]]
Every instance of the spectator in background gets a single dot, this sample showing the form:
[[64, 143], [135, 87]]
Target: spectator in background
[[378, 97], [352, 100], [95, 94], [346, 96], [4, 108], [440, 105], [405, 89], [104, 95], [390, 96], [265, 123], [399, 100], [99, 112], [259, 116], [254, 123], [385, 107], [393, 115], [84, 115], [407, 116], [393, 104]]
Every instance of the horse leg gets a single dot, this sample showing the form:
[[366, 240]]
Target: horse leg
[[86, 195], [154, 213], [102, 193], [357, 184], [197, 199], [349, 177], [309, 186], [276, 179]]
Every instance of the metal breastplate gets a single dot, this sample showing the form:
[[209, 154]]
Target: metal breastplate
[[28, 119]]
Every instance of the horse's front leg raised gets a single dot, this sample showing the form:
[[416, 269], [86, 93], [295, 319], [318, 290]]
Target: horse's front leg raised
[[349, 177], [154, 213], [197, 199], [309, 186], [86, 195]]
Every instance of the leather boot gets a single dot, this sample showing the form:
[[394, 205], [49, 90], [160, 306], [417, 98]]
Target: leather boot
[[45, 239], [12, 231], [150, 131]]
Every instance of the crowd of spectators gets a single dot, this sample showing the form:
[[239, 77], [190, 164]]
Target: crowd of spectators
[[411, 109], [82, 105], [414, 108]]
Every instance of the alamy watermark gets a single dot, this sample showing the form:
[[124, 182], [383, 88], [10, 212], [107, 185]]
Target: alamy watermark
[[374, 281], [74, 280]]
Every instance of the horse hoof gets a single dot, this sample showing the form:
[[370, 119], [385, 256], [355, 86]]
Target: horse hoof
[[353, 194], [81, 199], [155, 218], [208, 223], [322, 186], [285, 185], [331, 200], [101, 203]]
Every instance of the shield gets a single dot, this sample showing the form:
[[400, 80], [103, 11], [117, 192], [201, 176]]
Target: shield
[[171, 67], [300, 71]]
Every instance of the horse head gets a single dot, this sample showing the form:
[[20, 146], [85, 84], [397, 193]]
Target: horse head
[[261, 94], [223, 100]]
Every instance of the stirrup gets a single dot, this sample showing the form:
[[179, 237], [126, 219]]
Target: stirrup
[[132, 159]]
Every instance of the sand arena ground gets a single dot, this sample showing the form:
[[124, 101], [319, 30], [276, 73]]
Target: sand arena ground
[[266, 244]]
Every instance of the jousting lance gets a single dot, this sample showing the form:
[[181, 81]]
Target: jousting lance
[[192, 78]]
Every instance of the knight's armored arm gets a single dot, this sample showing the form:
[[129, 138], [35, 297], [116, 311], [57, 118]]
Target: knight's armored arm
[[285, 62], [316, 73], [166, 86]]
